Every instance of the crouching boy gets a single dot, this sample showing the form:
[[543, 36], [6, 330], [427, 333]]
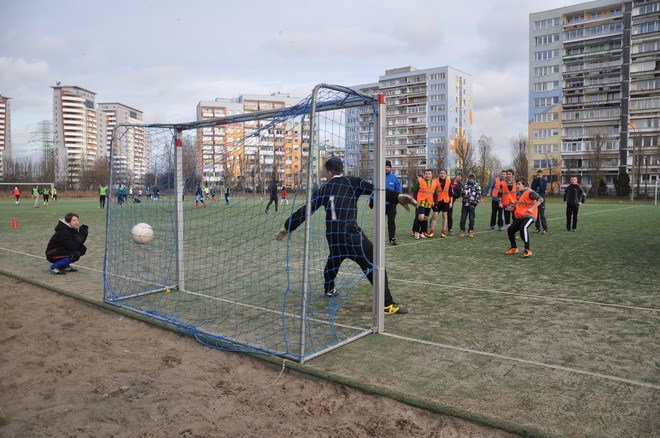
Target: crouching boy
[[67, 244]]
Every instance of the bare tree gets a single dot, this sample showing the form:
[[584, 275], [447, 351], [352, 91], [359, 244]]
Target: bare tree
[[520, 153], [439, 161], [95, 173], [464, 154], [596, 156], [485, 150], [412, 169]]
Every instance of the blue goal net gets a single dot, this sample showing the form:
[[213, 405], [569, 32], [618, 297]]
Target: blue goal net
[[216, 193]]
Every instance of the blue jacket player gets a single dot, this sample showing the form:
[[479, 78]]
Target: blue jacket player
[[339, 196]]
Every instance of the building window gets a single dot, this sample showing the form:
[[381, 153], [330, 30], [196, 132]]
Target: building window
[[545, 24], [546, 54], [546, 39]]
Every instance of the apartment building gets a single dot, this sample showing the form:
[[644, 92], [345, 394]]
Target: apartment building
[[428, 112], [75, 132], [134, 159], [592, 88], [5, 133], [246, 154]]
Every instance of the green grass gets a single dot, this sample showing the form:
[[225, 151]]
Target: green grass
[[564, 342]]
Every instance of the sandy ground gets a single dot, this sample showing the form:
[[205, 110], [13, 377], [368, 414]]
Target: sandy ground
[[68, 369]]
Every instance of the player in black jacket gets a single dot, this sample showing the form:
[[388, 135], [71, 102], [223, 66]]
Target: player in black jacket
[[339, 197], [574, 196], [67, 244]]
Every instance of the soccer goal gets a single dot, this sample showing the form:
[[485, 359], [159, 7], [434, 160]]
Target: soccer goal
[[213, 267]]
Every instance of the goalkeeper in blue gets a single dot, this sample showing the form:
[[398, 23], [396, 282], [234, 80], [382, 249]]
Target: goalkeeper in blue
[[339, 196]]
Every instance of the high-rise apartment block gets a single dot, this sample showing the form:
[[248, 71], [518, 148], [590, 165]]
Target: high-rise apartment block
[[82, 134], [5, 133], [428, 113], [594, 91], [75, 132], [234, 154], [134, 162]]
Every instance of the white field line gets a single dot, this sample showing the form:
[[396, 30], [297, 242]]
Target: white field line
[[201, 295], [425, 283], [467, 350], [537, 297], [44, 258], [489, 231], [526, 362]]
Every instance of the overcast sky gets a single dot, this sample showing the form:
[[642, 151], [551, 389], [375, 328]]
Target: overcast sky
[[163, 57]]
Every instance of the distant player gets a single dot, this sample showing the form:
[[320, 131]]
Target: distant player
[[508, 195], [539, 185], [392, 183], [525, 212], [17, 195], [574, 197], [46, 194], [53, 194], [156, 193], [443, 203], [227, 193], [199, 196], [496, 214], [148, 193], [425, 191], [103, 193], [212, 191], [272, 191], [339, 196], [35, 195], [283, 196]]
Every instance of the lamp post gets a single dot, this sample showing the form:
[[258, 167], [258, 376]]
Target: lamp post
[[632, 167]]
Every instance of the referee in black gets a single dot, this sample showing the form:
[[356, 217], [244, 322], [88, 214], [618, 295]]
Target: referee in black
[[339, 196]]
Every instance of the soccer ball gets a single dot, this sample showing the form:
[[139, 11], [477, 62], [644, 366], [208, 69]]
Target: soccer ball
[[142, 233]]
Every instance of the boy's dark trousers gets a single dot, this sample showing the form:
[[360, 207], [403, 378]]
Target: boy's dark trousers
[[496, 213], [467, 212], [541, 222], [571, 210]]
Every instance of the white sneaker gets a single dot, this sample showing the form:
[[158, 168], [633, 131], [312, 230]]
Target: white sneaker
[[417, 236], [422, 236]]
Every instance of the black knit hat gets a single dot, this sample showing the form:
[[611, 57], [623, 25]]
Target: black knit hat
[[388, 163], [334, 165]]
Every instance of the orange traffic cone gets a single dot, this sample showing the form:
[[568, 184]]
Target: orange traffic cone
[[14, 224]]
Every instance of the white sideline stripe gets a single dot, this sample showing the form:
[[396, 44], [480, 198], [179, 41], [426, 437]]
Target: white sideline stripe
[[202, 295], [524, 361], [571, 300], [540, 297], [44, 258], [504, 229]]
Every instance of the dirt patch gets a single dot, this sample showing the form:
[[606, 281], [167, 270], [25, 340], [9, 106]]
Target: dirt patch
[[71, 369]]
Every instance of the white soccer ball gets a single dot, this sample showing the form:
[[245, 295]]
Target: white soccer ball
[[142, 233]]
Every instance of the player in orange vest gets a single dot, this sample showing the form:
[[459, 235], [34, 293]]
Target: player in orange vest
[[508, 195], [495, 206], [443, 203], [525, 212], [17, 194], [425, 191]]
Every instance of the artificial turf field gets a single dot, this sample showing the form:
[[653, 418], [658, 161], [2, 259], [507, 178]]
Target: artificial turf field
[[565, 342]]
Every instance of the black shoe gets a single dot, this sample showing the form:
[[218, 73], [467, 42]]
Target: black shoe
[[393, 242], [70, 269], [331, 293]]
